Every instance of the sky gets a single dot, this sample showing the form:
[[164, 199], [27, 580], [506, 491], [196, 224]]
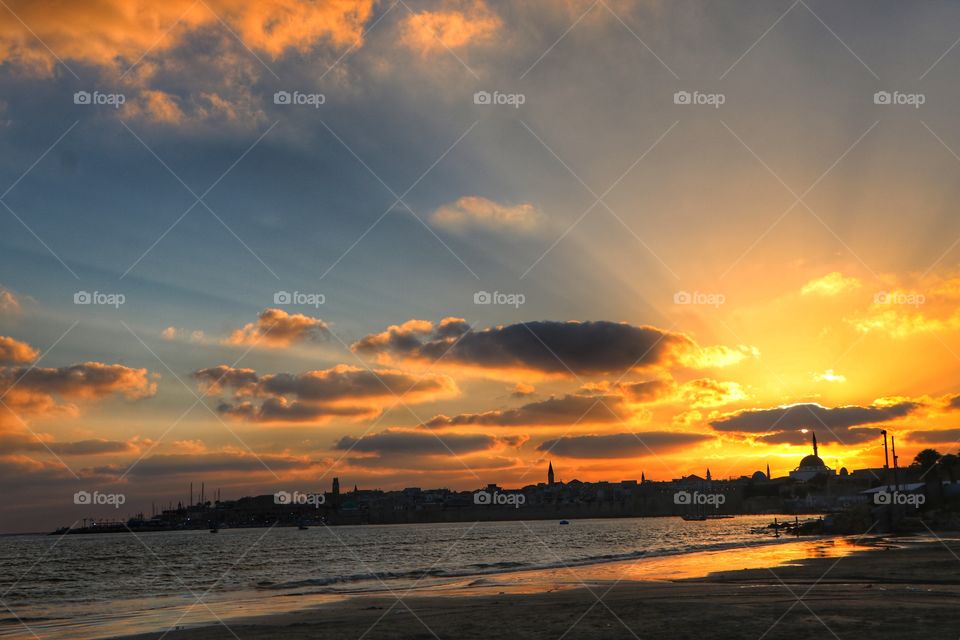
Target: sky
[[260, 245]]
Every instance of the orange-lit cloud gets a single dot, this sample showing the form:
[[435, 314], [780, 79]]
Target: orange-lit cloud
[[473, 212], [16, 352], [116, 33], [429, 32], [278, 329], [831, 284]]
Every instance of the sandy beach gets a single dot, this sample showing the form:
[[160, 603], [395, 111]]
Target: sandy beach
[[901, 589]]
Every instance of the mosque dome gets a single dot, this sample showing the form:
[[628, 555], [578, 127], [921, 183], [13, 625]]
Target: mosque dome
[[812, 461]]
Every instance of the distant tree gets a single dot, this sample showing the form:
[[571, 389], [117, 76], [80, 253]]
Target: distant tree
[[926, 459], [949, 463]]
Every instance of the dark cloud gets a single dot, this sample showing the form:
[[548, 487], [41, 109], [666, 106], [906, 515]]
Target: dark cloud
[[14, 442], [281, 410], [417, 443], [954, 402], [810, 416], [648, 391], [620, 445], [835, 435], [950, 437], [547, 346], [341, 391], [174, 464], [564, 410]]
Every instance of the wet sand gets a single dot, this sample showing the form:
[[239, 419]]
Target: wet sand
[[908, 591]]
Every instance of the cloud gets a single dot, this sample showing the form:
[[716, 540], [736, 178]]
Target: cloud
[[554, 411], [341, 391], [429, 32], [278, 329], [836, 435], [522, 390], [9, 304], [417, 442], [954, 402], [829, 376], [620, 445], [549, 347], [23, 442], [473, 212], [936, 436], [831, 284], [811, 416], [191, 464], [35, 387], [905, 309], [116, 33], [16, 352]]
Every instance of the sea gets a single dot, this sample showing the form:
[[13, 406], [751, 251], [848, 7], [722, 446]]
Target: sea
[[107, 585]]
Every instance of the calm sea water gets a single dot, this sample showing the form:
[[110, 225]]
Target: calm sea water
[[88, 586]]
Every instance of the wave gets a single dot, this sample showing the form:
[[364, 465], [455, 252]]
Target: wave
[[493, 568]]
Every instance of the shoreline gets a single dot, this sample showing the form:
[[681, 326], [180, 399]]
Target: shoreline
[[631, 586]]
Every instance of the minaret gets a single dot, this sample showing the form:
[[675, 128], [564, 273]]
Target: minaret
[[643, 477], [768, 471], [708, 475], [814, 443], [336, 487], [550, 474]]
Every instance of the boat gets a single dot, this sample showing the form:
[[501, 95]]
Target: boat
[[215, 529], [564, 522], [303, 527], [694, 517]]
